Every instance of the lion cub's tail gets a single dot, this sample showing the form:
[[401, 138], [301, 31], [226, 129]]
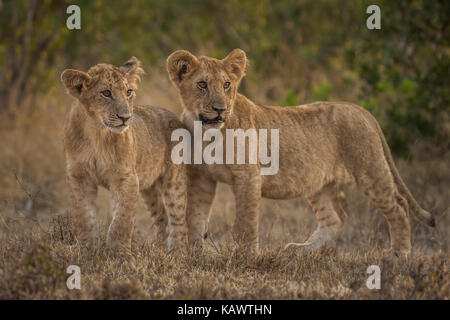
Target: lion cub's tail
[[422, 215]]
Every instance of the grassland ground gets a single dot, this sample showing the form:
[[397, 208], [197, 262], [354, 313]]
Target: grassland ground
[[37, 244]]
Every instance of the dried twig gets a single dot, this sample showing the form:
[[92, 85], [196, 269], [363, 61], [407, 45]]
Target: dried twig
[[28, 211]]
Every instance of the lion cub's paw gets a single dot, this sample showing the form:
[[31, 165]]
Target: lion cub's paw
[[178, 248], [398, 253], [118, 249], [88, 241], [308, 246]]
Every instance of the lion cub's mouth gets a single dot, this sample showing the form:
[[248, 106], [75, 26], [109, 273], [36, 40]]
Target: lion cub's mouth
[[119, 128], [206, 121]]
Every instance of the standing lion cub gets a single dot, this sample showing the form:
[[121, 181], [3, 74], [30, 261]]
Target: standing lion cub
[[322, 146], [125, 149]]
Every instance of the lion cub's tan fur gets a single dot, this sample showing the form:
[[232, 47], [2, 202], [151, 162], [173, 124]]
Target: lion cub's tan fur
[[322, 146], [125, 149]]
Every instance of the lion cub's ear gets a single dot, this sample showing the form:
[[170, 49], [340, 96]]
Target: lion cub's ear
[[132, 69], [235, 63], [75, 81], [180, 65]]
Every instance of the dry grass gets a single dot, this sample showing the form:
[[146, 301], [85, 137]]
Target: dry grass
[[37, 245]]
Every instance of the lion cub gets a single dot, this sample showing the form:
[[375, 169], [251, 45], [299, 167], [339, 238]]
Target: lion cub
[[124, 148], [322, 147]]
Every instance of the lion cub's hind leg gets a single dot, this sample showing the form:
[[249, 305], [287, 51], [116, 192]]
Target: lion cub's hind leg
[[330, 217], [384, 195], [174, 197], [153, 200]]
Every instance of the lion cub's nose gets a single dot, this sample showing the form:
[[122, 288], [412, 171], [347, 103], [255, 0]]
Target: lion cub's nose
[[219, 110], [124, 118]]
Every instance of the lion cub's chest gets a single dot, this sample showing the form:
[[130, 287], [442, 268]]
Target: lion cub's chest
[[104, 170], [98, 170], [220, 172]]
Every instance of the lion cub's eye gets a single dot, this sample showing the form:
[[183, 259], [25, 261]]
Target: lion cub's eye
[[129, 92], [106, 93], [226, 85], [202, 84]]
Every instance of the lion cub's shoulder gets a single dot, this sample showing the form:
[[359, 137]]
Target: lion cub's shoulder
[[167, 119]]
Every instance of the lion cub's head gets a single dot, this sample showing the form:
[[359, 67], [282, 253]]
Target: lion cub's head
[[207, 86], [106, 92]]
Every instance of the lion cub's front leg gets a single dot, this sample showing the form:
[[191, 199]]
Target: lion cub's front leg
[[174, 197], [201, 194], [83, 193], [247, 191], [125, 190]]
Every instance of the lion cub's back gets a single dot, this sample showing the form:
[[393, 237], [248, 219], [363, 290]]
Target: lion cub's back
[[159, 121], [154, 127]]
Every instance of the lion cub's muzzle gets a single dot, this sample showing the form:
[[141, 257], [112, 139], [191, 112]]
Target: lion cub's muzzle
[[218, 119], [117, 122], [207, 121]]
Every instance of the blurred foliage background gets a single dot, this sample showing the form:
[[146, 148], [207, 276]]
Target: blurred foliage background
[[300, 51]]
